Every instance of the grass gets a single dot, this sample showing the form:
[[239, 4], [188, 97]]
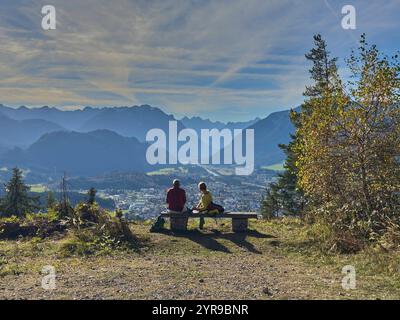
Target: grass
[[168, 171], [277, 259], [38, 188], [275, 167]]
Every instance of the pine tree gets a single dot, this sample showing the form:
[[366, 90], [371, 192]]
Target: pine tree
[[283, 197], [324, 69], [65, 209], [17, 201], [51, 201], [92, 196], [286, 197], [317, 173]]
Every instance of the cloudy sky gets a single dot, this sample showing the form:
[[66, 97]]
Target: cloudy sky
[[221, 59]]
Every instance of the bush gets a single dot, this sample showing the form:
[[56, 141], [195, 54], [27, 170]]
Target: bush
[[40, 224], [96, 231], [331, 238], [391, 238]]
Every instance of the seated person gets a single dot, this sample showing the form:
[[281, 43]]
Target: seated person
[[205, 202], [176, 198]]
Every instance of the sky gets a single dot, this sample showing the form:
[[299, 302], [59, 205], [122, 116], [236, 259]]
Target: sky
[[227, 60]]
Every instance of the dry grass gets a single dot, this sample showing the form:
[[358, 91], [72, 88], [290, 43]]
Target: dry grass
[[276, 260]]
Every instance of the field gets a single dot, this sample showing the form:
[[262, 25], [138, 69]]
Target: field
[[168, 171], [275, 167], [275, 260], [38, 188]]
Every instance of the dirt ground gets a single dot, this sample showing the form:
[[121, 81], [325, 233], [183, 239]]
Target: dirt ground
[[207, 264]]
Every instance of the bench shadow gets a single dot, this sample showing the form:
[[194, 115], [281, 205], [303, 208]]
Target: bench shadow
[[200, 238], [209, 240], [240, 239]]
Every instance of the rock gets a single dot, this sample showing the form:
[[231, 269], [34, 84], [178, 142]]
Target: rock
[[201, 280], [267, 292]]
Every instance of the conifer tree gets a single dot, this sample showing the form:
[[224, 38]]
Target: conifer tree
[[17, 201], [285, 197], [92, 196], [51, 201]]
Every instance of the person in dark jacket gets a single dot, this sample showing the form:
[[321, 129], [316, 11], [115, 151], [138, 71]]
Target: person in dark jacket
[[176, 200], [176, 197]]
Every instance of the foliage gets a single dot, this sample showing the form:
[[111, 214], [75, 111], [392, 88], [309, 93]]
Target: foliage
[[286, 197], [283, 197], [95, 230], [51, 201], [92, 196], [17, 200], [33, 224], [348, 145]]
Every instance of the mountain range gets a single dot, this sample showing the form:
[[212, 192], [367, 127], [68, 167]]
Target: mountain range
[[100, 140], [82, 153], [22, 133], [198, 123]]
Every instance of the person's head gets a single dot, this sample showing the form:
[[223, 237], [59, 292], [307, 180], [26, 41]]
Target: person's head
[[176, 183], [202, 186]]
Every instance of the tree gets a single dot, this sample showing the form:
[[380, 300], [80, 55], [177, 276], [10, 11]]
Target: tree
[[348, 143], [51, 201], [92, 196], [17, 201], [270, 205], [64, 207], [286, 197], [283, 197]]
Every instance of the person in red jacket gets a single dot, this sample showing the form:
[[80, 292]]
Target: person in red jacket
[[176, 197]]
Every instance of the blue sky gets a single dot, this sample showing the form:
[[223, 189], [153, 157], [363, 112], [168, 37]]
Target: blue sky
[[221, 59]]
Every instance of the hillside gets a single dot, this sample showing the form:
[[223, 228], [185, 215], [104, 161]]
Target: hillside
[[269, 133], [274, 261], [23, 132], [82, 153]]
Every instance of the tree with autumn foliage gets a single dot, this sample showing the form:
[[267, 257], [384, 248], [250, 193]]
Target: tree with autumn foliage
[[348, 142]]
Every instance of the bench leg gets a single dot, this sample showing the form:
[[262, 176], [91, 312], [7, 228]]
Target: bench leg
[[240, 225], [179, 224]]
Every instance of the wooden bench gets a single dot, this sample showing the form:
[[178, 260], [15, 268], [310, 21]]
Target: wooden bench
[[240, 220]]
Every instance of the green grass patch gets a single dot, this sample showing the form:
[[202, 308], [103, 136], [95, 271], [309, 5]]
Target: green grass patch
[[38, 188], [275, 167], [168, 171]]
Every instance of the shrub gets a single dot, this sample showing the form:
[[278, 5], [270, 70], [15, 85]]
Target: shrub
[[34, 224], [96, 231]]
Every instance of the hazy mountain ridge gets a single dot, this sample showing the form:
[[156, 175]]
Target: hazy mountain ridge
[[130, 121], [23, 132], [101, 143], [82, 153], [70, 120], [198, 123], [269, 133]]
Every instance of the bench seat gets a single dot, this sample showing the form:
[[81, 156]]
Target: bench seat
[[239, 219]]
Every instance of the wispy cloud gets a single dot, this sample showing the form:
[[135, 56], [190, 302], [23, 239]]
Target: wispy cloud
[[226, 59]]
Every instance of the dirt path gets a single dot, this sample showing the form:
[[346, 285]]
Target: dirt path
[[193, 266]]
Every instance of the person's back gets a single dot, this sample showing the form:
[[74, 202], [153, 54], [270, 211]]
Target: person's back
[[176, 197], [205, 201]]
